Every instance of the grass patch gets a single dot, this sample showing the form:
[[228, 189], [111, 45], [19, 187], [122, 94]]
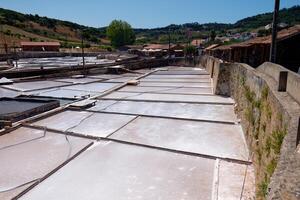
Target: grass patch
[[280, 117], [263, 188], [259, 155], [268, 146], [277, 139], [268, 110], [250, 95], [242, 80], [249, 115], [265, 93], [271, 167], [264, 127], [257, 104], [256, 134]]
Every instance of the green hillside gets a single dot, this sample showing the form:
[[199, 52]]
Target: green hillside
[[18, 27], [290, 16]]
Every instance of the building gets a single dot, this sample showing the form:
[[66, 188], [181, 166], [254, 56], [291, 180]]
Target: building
[[256, 51], [164, 47], [160, 50], [209, 49], [40, 46], [197, 42], [131, 48]]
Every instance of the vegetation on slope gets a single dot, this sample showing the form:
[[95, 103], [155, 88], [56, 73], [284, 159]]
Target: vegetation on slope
[[290, 16], [37, 28]]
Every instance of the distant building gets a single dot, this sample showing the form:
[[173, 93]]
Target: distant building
[[160, 50], [197, 42], [222, 39], [209, 49], [134, 49], [280, 26], [256, 51], [164, 46], [40, 46]]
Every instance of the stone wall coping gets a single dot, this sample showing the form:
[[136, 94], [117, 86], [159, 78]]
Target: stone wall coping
[[293, 79]]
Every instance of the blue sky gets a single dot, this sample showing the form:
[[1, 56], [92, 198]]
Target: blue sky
[[145, 13]]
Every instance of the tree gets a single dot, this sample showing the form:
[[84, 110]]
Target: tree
[[86, 35], [190, 50], [213, 35], [120, 33]]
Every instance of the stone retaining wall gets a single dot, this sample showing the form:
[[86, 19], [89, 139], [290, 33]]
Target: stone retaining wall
[[146, 63], [270, 120], [4, 57], [98, 68]]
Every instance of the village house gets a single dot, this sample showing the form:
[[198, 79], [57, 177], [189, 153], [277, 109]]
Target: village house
[[256, 51]]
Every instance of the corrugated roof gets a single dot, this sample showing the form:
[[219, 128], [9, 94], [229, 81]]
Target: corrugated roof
[[40, 44]]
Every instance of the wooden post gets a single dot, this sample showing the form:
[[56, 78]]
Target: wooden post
[[274, 32], [282, 81], [169, 50], [298, 134], [212, 69]]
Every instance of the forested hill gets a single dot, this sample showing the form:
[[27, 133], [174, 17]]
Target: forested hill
[[17, 27], [290, 16]]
